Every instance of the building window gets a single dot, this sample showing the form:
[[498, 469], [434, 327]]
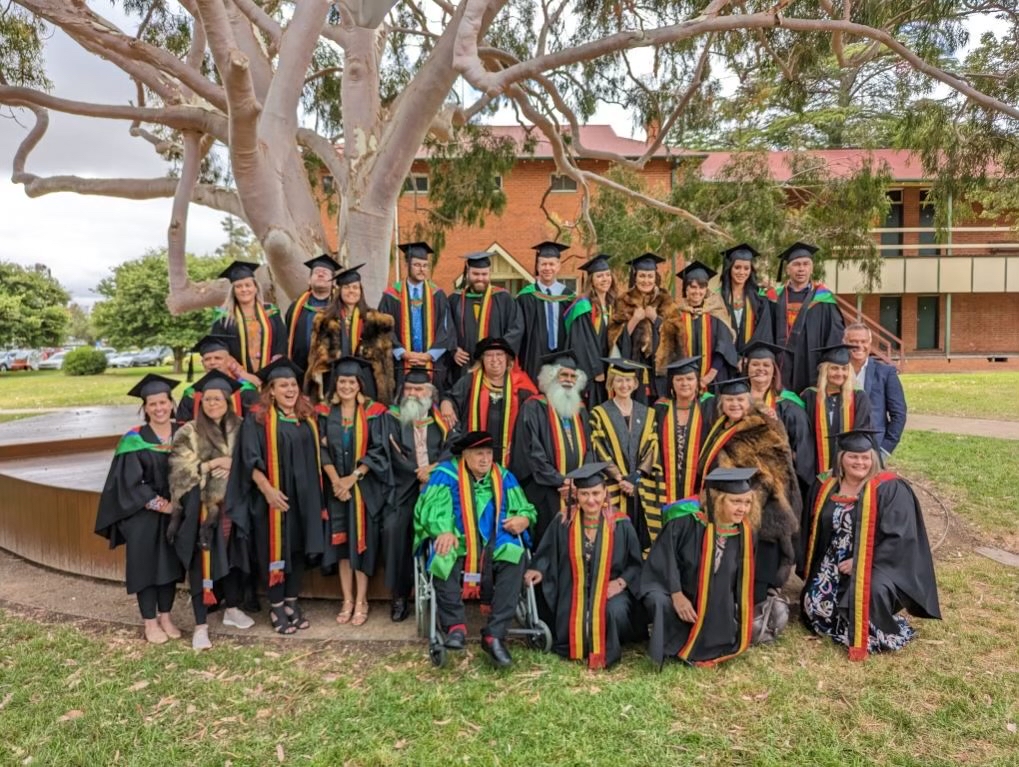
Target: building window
[[569, 282], [928, 322], [927, 222], [498, 182], [890, 316], [893, 221], [415, 184], [561, 183]]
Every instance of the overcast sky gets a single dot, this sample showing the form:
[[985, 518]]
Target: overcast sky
[[80, 238]]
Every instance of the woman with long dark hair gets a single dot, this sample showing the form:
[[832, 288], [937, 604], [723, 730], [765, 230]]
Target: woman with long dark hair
[[749, 312], [587, 326], [706, 331]]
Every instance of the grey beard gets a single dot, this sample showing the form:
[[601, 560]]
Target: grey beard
[[566, 402], [414, 409]]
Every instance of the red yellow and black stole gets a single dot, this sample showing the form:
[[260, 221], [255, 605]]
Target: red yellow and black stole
[[681, 483], [748, 320], [704, 337], [242, 333], [427, 316], [295, 322], [483, 316], [746, 595], [601, 561], [360, 449], [437, 419], [559, 445], [822, 431], [477, 416], [356, 326], [717, 439], [208, 597], [470, 517]]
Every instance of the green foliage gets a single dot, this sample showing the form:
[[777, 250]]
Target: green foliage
[[32, 305], [21, 41], [134, 313], [80, 326], [84, 361]]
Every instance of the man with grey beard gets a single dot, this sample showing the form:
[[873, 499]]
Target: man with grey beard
[[552, 437], [418, 440]]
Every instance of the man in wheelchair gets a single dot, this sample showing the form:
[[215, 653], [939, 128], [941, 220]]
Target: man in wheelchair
[[477, 516]]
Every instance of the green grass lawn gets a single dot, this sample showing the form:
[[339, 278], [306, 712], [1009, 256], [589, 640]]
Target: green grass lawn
[[52, 388], [973, 395]]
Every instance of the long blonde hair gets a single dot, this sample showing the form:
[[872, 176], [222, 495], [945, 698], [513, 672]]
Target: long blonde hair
[[822, 380], [229, 306]]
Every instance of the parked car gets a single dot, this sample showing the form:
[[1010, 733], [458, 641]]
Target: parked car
[[153, 355], [19, 359], [53, 362], [6, 360], [121, 359]]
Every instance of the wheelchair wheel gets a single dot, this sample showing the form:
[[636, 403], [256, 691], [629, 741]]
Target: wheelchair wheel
[[542, 638], [437, 654]]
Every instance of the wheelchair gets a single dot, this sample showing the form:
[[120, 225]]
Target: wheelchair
[[531, 628]]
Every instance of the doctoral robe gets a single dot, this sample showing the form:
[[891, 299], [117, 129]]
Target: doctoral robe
[[474, 316], [271, 340], [815, 324], [534, 344]]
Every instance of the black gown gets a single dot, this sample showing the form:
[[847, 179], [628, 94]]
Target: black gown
[[680, 448], [469, 323], [299, 337], [439, 327], [818, 324], [721, 357], [275, 344], [861, 410], [725, 618], [534, 344], [587, 336], [624, 619], [756, 325], [488, 414], [140, 471]]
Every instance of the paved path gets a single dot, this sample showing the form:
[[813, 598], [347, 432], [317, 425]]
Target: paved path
[[971, 427]]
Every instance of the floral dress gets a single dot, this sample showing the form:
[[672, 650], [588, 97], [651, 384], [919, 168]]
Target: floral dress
[[821, 603]]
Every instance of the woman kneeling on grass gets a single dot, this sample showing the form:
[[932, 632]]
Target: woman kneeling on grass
[[867, 555]]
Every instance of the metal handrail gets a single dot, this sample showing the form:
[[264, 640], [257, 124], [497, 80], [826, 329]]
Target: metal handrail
[[887, 346]]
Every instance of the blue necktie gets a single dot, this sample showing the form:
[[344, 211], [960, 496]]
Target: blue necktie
[[416, 331], [551, 321]]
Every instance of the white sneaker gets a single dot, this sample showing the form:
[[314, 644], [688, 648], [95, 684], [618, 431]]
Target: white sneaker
[[234, 616], [200, 639]]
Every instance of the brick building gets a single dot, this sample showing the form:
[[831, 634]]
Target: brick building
[[953, 300]]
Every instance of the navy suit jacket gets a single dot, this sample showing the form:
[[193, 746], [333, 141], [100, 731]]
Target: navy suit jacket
[[888, 403]]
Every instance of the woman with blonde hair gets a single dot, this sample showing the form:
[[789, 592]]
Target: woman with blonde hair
[[256, 330]]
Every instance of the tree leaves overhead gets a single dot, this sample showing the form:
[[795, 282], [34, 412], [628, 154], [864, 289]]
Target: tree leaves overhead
[[32, 306], [21, 43]]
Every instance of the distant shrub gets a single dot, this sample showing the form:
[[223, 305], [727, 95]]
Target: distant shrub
[[84, 361]]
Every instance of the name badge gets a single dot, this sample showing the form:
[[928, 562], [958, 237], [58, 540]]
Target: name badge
[[472, 579]]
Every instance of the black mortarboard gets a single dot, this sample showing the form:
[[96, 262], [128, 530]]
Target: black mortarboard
[[623, 366], [416, 250], [794, 251], [646, 262], [549, 249], [482, 259], [599, 263], [326, 261], [682, 366], [490, 343], [731, 480], [152, 384], [589, 475], [837, 354], [281, 367], [418, 375], [212, 343], [472, 439], [733, 386], [695, 270], [762, 350], [349, 275], [741, 252], [565, 358], [349, 366], [217, 379], [239, 270], [857, 440]]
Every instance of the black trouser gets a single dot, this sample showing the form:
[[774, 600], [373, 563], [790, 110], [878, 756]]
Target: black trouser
[[230, 586], [291, 587], [397, 540], [507, 580], [153, 598]]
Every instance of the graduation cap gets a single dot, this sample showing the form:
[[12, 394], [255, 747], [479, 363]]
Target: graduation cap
[[472, 440], [490, 343], [418, 374], [857, 441], [565, 358], [794, 251], [281, 367], [646, 262], [549, 249], [152, 384], [741, 252], [739, 385], [620, 366], [349, 275], [837, 354], [325, 261], [207, 345], [589, 475], [599, 263], [349, 366], [731, 480], [218, 380], [412, 250], [684, 366], [239, 270], [696, 271], [762, 350], [481, 259]]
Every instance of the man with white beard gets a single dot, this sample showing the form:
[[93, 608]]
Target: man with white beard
[[552, 437], [418, 440]]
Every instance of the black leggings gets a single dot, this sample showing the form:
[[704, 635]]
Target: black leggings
[[153, 598], [230, 586], [291, 587]]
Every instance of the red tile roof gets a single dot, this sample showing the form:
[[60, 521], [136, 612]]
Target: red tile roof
[[602, 138], [902, 164]]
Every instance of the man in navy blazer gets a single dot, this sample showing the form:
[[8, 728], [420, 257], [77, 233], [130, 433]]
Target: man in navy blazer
[[881, 382]]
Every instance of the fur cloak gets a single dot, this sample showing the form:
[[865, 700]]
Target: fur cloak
[[670, 344], [376, 346], [713, 305], [190, 451]]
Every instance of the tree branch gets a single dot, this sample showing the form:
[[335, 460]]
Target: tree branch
[[176, 235], [268, 25]]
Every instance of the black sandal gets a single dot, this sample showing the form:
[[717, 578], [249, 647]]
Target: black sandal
[[280, 620], [296, 615]]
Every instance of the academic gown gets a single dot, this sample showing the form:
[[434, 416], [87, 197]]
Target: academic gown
[[587, 336], [792, 413], [755, 325], [360, 543], [680, 448], [899, 574], [275, 344], [492, 314], [140, 471], [299, 328], [247, 395], [534, 343], [489, 414], [724, 617], [443, 337], [398, 516], [861, 419], [721, 357], [300, 475], [818, 324], [558, 561]]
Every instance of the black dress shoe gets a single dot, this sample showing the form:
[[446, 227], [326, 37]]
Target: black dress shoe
[[497, 651], [456, 640], [400, 610]]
